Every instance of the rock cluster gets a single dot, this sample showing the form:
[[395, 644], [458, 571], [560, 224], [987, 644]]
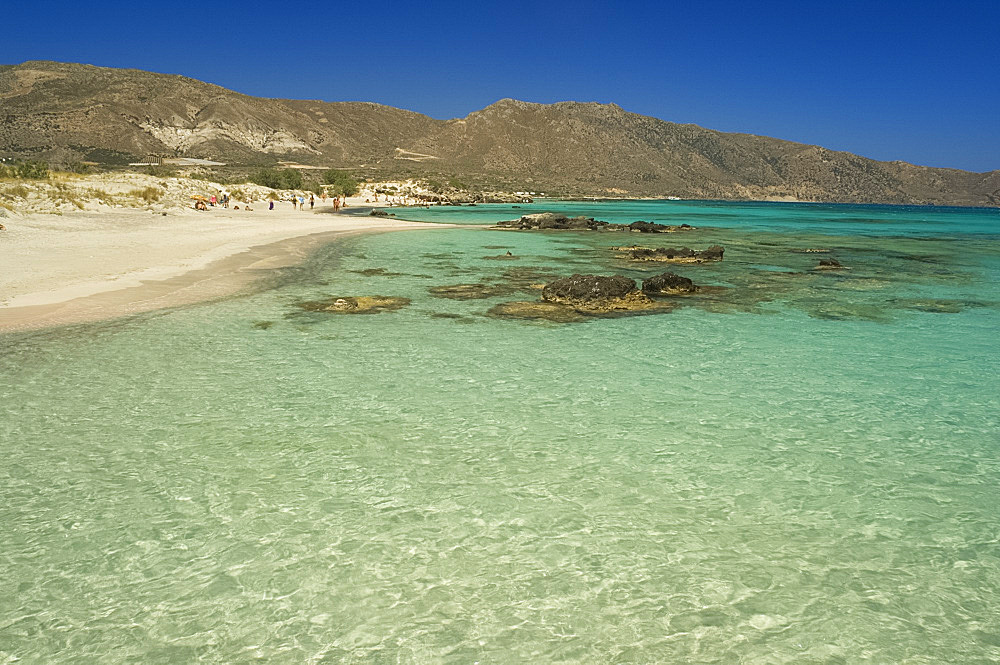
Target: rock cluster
[[357, 304], [675, 255], [557, 221], [580, 297], [668, 282], [591, 291]]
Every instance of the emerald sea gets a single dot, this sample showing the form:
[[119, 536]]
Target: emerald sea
[[790, 466]]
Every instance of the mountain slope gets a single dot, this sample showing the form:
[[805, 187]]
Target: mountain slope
[[68, 111]]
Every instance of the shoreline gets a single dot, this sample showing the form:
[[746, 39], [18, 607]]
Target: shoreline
[[147, 273]]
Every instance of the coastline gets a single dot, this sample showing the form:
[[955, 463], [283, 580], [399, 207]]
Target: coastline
[[85, 267]]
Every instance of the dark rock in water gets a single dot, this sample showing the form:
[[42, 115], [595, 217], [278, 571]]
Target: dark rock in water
[[674, 254], [558, 221], [587, 288], [668, 282], [662, 254], [632, 305], [713, 253], [830, 264], [381, 213], [262, 325], [647, 227], [356, 304], [583, 224], [597, 293]]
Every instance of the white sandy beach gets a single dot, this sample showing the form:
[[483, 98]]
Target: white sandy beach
[[101, 264]]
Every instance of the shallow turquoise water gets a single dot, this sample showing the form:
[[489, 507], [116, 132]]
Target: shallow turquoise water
[[878, 220], [801, 467]]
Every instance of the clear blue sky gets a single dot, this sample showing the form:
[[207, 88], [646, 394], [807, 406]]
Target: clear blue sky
[[917, 81]]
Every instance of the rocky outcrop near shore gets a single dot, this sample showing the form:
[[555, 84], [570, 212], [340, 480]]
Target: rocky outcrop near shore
[[673, 254], [554, 221], [595, 292], [356, 304], [668, 283], [578, 297]]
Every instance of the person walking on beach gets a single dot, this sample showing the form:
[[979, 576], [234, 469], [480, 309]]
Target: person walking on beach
[[312, 201], [295, 202], [270, 204]]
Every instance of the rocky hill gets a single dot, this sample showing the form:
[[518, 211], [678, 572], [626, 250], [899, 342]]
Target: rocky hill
[[67, 112]]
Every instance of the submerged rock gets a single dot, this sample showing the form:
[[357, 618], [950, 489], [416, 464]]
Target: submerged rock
[[830, 264], [377, 272], [668, 282], [536, 309], [356, 304], [461, 318], [934, 306], [471, 291], [653, 227], [713, 253], [529, 276], [674, 254]]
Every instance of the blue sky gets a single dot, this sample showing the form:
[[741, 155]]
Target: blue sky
[[916, 81]]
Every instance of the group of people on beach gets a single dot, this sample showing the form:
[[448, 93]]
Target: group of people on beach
[[201, 204], [299, 202], [222, 200]]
